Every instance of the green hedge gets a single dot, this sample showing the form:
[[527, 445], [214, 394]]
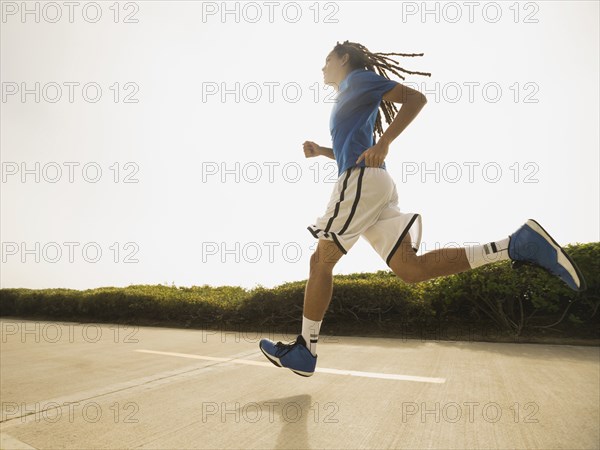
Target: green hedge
[[516, 302]]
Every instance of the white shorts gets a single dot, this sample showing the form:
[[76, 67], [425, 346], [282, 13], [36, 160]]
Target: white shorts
[[364, 202]]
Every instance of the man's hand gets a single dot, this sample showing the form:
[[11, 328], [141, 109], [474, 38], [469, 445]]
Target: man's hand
[[375, 155], [311, 149]]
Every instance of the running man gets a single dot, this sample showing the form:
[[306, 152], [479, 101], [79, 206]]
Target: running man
[[364, 201]]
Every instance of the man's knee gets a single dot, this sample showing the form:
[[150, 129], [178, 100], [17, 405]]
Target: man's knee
[[325, 257], [407, 265], [409, 271], [319, 263]]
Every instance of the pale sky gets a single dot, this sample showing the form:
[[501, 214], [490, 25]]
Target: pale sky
[[224, 193]]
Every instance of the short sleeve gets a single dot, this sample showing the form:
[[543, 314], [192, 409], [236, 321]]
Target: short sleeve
[[371, 86]]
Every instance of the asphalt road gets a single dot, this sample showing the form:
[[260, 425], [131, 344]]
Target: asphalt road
[[72, 385]]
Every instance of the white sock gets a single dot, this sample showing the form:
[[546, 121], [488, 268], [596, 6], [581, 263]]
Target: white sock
[[310, 333], [478, 255]]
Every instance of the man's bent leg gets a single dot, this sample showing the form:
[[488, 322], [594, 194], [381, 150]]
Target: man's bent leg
[[413, 269]]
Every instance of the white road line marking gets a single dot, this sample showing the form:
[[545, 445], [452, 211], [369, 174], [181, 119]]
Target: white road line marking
[[384, 376], [354, 373]]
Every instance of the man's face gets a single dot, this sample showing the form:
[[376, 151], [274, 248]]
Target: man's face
[[334, 69]]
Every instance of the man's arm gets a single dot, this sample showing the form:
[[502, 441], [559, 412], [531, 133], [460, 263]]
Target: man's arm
[[325, 151], [412, 103]]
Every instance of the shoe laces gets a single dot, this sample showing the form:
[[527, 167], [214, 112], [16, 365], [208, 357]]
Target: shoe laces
[[285, 348]]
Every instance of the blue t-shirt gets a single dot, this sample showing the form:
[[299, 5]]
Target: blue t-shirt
[[354, 114]]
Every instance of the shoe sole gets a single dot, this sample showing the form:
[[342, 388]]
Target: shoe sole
[[277, 363], [571, 267]]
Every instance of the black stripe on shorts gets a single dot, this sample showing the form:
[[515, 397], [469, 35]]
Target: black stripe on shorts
[[315, 235], [358, 186], [335, 239], [337, 205], [389, 258]]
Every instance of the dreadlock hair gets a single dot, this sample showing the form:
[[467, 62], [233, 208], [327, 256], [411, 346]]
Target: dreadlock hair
[[360, 58]]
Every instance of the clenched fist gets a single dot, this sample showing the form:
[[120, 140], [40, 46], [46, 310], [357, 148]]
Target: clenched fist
[[311, 149]]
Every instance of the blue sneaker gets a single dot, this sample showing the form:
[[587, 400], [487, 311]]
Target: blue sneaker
[[531, 244], [294, 356]]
